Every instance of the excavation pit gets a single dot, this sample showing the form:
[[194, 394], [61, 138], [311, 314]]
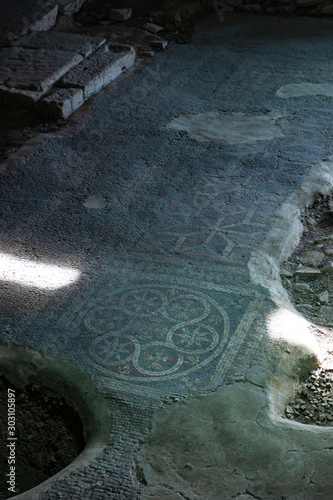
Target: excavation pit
[[52, 421]]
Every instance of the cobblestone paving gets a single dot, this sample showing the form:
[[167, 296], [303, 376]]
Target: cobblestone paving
[[164, 305]]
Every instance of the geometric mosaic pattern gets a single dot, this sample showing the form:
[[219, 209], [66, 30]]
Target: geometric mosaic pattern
[[153, 332], [203, 223]]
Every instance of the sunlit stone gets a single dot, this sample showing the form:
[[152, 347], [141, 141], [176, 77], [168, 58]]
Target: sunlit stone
[[290, 326]]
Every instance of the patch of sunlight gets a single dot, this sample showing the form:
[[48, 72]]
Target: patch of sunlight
[[289, 326], [35, 274]]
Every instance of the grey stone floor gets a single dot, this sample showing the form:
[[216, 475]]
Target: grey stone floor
[[165, 310]]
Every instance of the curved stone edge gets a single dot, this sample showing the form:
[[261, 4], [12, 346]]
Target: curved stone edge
[[286, 232], [22, 365], [302, 354]]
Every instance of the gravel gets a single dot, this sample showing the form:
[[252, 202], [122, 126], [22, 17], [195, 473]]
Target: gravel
[[49, 436], [307, 277]]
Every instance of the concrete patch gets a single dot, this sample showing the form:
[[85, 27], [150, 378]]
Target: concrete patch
[[233, 128], [302, 89], [95, 201], [19, 96], [225, 444]]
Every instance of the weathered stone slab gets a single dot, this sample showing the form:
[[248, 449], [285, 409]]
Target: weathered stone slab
[[45, 19], [61, 103], [159, 44], [21, 16], [312, 257], [152, 28], [100, 69], [35, 70], [68, 42]]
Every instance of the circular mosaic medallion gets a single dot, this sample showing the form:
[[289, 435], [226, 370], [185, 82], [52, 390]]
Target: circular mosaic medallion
[[153, 332]]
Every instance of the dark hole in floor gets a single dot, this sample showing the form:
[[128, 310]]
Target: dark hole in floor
[[49, 436]]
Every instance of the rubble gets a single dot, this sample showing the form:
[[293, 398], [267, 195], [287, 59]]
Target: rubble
[[313, 402]]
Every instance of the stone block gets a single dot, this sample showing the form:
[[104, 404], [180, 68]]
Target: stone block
[[327, 10], [152, 28], [34, 69], [312, 257], [45, 20], [101, 68], [326, 313], [324, 297], [68, 42], [61, 103], [328, 268], [307, 273]]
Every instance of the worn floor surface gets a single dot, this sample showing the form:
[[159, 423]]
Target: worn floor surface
[[167, 236]]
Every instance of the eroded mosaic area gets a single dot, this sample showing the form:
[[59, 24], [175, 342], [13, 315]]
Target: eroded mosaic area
[[233, 128]]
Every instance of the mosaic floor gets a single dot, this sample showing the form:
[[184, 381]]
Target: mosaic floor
[[160, 225]]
